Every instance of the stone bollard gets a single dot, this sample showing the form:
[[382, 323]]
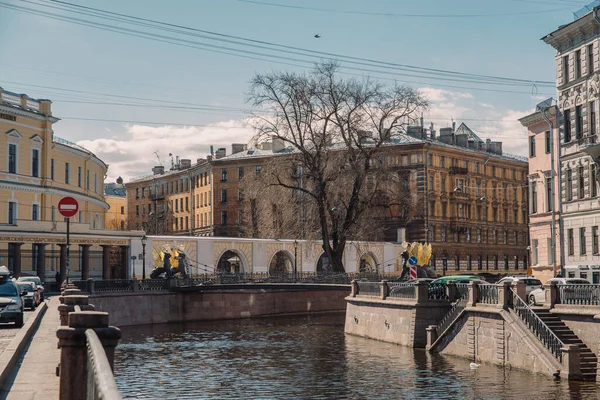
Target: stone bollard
[[473, 293], [451, 291], [354, 288], [521, 289], [69, 306], [504, 295], [73, 355], [91, 286], [384, 289], [550, 294], [571, 361], [67, 293], [431, 336], [422, 289]]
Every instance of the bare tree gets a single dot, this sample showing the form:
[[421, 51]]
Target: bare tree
[[338, 131]]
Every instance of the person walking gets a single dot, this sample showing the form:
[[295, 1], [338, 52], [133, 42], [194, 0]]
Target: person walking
[[58, 280]]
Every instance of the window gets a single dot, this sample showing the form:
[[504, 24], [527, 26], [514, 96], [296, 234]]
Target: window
[[516, 217], [224, 175], [181, 208], [137, 210], [582, 247], [547, 141], [567, 123], [67, 173], [12, 213], [122, 210], [578, 122], [95, 183], [223, 217], [443, 185], [478, 189], [565, 69], [143, 193], [79, 177], [240, 195], [444, 209], [187, 205], [531, 146], [577, 64], [571, 244], [258, 169], [442, 162], [505, 237], [35, 212], [593, 180], [187, 223], [52, 168], [595, 240], [137, 193], [569, 184], [143, 209], [460, 184], [53, 213], [534, 252], [581, 182], [241, 173], [548, 194], [176, 206], [590, 59], [87, 179], [495, 213], [592, 111], [12, 158], [35, 163], [479, 216], [494, 236], [468, 236], [476, 167]]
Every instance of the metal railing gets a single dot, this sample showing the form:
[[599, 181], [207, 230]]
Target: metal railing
[[100, 379], [451, 316], [462, 289], [587, 295], [402, 290], [437, 291], [114, 285], [487, 294], [536, 325], [368, 289], [150, 285]]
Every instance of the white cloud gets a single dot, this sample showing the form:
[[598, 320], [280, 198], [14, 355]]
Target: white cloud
[[487, 105]]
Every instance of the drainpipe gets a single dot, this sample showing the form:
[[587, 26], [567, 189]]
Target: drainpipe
[[552, 194]]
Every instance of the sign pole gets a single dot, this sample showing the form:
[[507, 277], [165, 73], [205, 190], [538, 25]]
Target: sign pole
[[68, 207], [68, 255]]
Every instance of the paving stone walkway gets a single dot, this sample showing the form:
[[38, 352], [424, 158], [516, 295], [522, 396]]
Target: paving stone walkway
[[34, 376]]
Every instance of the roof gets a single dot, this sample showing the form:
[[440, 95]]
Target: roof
[[254, 153], [114, 189], [465, 130]]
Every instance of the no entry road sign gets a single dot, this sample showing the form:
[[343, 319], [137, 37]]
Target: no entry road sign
[[67, 207]]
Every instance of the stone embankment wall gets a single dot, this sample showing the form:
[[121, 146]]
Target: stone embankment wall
[[128, 309], [584, 321]]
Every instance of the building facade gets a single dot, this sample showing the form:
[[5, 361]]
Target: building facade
[[115, 196], [38, 169], [578, 86], [545, 260]]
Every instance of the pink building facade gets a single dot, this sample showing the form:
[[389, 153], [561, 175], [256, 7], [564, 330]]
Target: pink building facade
[[545, 263]]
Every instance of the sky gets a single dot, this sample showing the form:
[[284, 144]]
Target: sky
[[134, 100]]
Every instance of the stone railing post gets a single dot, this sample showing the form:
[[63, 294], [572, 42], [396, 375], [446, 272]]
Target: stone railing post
[[571, 354], [68, 306], [67, 293], [384, 289], [73, 355], [431, 336], [134, 285], [521, 288], [353, 288], [422, 292], [504, 295], [473, 293], [550, 294], [451, 291], [91, 286]]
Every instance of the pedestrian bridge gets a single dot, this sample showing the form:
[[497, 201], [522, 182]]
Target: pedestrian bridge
[[208, 255]]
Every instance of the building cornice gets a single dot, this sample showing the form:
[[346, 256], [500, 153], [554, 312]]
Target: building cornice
[[19, 112], [24, 187], [537, 118], [573, 34]]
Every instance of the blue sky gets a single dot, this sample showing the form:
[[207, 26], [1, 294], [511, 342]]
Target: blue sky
[[38, 51]]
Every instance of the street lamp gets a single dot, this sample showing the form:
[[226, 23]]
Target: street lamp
[[295, 259], [144, 240]]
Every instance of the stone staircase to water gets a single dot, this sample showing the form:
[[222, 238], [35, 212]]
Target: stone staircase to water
[[589, 361]]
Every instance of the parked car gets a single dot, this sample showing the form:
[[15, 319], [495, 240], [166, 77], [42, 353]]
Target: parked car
[[38, 282], [457, 279], [538, 296], [11, 300], [32, 296], [531, 283]]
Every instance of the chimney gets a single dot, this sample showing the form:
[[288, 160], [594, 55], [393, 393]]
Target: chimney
[[238, 147], [176, 162], [211, 150], [277, 145], [220, 153], [119, 181], [265, 146], [185, 163], [209, 158], [201, 160], [158, 170]]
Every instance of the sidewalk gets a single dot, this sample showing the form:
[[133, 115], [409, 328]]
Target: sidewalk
[[34, 376]]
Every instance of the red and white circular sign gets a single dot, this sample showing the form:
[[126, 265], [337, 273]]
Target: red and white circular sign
[[67, 207]]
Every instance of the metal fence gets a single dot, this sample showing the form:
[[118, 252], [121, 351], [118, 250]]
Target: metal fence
[[586, 295], [402, 290], [369, 289], [437, 291], [487, 294], [100, 379], [451, 316], [462, 289], [536, 325]]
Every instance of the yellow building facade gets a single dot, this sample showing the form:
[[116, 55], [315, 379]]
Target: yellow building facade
[[38, 169]]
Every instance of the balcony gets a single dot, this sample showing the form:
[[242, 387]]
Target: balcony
[[157, 196], [458, 171]]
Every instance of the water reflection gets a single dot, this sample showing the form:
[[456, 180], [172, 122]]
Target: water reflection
[[309, 358]]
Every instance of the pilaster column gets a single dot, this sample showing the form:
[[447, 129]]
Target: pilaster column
[[41, 261], [105, 261], [16, 272], [124, 262], [85, 261]]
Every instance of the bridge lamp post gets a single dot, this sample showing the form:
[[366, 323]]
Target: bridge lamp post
[[144, 240], [295, 259]]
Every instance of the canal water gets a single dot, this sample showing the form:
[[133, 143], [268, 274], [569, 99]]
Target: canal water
[[307, 357]]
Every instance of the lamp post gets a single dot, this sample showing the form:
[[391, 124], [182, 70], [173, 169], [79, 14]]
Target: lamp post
[[295, 259], [144, 240]]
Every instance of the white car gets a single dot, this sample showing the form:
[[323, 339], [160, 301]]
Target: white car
[[531, 283], [37, 281], [538, 296]]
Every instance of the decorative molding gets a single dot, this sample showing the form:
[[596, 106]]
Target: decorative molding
[[15, 186], [36, 143], [18, 112], [13, 136]]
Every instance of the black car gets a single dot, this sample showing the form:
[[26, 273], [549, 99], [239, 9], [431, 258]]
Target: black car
[[11, 302]]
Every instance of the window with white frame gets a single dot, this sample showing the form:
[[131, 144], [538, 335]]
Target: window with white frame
[[35, 163], [12, 213], [35, 212]]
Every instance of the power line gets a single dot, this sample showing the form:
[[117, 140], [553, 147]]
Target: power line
[[386, 14], [153, 123]]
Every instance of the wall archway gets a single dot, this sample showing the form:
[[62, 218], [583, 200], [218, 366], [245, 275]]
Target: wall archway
[[231, 262], [323, 264], [282, 262], [368, 263]]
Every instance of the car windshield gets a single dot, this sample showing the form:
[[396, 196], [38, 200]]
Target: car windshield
[[8, 289], [26, 286], [33, 279], [532, 282], [578, 282]]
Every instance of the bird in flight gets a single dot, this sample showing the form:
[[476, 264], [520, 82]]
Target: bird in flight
[[317, 36]]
